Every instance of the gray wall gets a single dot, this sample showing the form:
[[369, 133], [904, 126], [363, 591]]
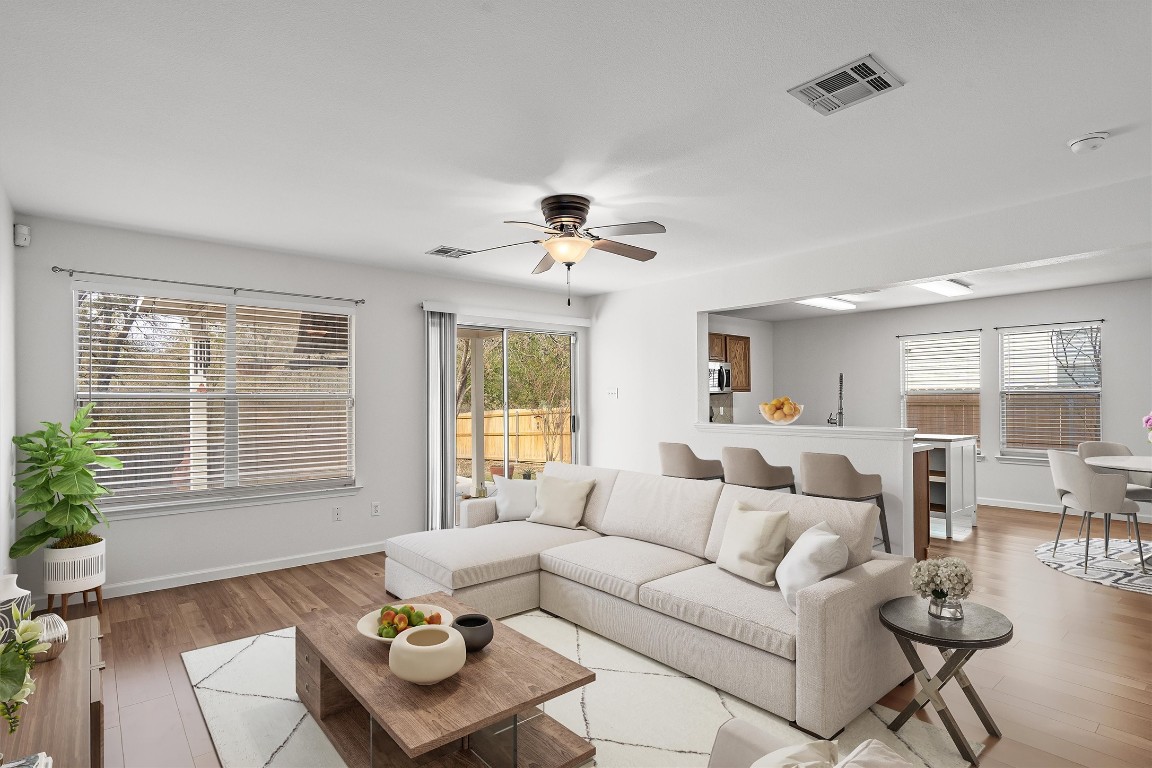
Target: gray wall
[[7, 379], [864, 347], [153, 552]]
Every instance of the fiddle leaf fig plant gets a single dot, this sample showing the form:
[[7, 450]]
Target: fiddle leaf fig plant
[[57, 482]]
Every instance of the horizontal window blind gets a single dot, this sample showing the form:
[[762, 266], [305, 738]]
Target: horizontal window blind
[[1050, 381], [940, 383], [214, 399]]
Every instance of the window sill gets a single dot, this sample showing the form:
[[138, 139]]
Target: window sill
[[1036, 461], [161, 509]]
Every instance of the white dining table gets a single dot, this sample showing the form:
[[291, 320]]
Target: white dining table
[[1127, 463]]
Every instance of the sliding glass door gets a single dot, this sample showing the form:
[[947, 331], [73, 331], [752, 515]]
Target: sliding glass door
[[514, 403]]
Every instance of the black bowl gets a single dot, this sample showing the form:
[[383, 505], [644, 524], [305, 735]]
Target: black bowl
[[476, 629]]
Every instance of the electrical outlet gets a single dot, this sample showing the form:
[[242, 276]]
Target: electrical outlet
[[375, 509], [337, 514]]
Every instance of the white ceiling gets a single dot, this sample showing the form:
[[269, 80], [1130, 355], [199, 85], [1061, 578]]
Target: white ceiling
[[373, 131], [1093, 269]]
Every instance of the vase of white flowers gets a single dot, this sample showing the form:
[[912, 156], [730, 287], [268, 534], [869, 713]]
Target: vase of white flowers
[[944, 582]]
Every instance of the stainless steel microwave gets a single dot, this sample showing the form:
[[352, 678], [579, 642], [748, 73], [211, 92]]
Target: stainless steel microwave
[[719, 378]]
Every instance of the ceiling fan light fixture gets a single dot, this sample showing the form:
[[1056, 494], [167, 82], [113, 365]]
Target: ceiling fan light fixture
[[946, 287], [567, 249]]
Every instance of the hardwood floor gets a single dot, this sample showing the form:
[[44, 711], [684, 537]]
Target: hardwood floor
[[1073, 688]]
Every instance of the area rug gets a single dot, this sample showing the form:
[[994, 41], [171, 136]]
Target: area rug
[[638, 713], [1120, 569]]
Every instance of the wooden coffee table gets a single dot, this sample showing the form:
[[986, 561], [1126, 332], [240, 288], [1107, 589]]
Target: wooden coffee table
[[485, 715]]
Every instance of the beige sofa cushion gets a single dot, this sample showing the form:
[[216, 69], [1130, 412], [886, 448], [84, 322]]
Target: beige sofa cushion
[[603, 480], [728, 605], [853, 521], [670, 511], [615, 564], [461, 557]]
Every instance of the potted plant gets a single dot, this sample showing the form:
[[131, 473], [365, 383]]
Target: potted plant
[[16, 683], [57, 483]]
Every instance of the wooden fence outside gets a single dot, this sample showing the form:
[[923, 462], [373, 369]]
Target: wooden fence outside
[[534, 436]]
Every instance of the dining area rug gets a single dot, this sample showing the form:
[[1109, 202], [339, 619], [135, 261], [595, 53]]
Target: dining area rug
[[1120, 569]]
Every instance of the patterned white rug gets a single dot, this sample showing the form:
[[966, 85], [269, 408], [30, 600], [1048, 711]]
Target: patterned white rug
[[638, 713], [1120, 569]]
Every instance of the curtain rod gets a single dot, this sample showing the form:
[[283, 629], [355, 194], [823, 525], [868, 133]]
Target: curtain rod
[[1038, 325], [235, 290], [935, 333]]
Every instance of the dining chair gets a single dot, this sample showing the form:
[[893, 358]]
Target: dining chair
[[832, 476], [1089, 492], [1135, 491], [678, 460], [746, 466]]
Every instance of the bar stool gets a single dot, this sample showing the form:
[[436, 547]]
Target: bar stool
[[1134, 491], [678, 460], [832, 476], [746, 466]]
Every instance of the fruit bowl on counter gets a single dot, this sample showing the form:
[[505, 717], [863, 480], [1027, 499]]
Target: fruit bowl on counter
[[391, 620], [781, 411]]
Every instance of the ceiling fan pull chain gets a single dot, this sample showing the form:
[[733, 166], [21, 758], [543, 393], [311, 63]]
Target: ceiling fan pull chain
[[568, 280]]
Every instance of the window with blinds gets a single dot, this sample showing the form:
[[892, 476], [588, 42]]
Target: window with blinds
[[1049, 388], [214, 399], [940, 383]]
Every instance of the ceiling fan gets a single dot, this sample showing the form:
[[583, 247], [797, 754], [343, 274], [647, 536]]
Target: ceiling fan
[[569, 240]]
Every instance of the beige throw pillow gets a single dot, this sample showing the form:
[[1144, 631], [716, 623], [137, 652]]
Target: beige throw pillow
[[515, 499], [560, 502], [753, 543]]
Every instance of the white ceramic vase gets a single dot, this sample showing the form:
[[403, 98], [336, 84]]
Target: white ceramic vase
[[11, 595], [67, 571], [427, 654]]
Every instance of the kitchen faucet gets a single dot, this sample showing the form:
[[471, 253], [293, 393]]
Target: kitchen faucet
[[837, 419]]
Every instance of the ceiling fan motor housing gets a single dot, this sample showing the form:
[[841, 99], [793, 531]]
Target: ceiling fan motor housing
[[561, 211]]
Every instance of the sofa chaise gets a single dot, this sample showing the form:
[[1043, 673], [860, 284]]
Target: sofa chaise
[[641, 570]]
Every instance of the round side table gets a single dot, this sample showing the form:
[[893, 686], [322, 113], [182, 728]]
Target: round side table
[[907, 618]]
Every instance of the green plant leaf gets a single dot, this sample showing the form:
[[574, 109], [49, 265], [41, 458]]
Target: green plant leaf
[[35, 497], [13, 671], [26, 545], [109, 461], [79, 456], [60, 514], [77, 482]]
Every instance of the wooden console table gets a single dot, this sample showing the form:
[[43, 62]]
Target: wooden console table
[[65, 716]]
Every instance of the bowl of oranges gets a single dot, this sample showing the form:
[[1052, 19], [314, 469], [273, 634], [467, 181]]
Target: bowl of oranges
[[781, 411], [388, 622]]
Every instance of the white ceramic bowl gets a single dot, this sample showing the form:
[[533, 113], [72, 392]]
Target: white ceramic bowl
[[427, 654], [368, 625], [782, 422]]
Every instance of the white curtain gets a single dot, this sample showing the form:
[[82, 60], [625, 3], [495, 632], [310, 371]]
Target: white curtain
[[440, 336]]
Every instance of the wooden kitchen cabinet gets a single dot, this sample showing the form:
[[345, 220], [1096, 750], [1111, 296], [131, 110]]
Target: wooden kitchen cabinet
[[716, 348], [737, 351]]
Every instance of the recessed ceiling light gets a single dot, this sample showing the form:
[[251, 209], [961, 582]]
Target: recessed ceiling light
[[827, 302], [946, 287]]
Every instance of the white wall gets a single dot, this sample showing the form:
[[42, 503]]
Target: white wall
[[864, 346], [7, 380], [154, 552], [746, 405], [648, 342]]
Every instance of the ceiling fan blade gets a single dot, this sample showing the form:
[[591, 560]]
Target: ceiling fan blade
[[544, 265], [623, 249], [538, 227], [635, 228], [498, 247]]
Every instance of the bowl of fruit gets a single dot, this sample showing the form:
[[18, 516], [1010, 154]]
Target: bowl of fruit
[[385, 624], [781, 411]]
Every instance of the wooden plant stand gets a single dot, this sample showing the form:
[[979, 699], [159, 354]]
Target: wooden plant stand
[[98, 591]]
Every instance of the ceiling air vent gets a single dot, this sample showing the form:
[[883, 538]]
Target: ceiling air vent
[[448, 252], [846, 86]]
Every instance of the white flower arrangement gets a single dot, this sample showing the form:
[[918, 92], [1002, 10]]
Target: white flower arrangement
[[940, 578]]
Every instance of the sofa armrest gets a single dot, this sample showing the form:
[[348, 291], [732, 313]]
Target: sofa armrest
[[845, 659], [477, 512], [739, 744]]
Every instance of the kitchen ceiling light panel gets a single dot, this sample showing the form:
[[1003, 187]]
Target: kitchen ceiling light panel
[[946, 287], [827, 302]]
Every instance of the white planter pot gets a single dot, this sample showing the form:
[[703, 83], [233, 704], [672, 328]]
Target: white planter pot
[[67, 571], [427, 654]]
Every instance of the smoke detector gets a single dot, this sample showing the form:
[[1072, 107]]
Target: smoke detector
[[1089, 142], [846, 86]]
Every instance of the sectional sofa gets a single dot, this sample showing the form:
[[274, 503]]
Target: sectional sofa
[[641, 570]]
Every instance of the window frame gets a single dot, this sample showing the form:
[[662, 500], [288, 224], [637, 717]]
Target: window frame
[[234, 495], [974, 334]]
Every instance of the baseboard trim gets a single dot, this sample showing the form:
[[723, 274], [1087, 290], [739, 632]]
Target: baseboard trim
[[124, 588], [1142, 516]]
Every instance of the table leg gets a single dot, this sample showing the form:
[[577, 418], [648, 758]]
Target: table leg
[[974, 698], [930, 692]]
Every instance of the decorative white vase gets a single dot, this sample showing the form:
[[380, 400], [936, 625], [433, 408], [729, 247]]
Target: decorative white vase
[[67, 571], [11, 595], [427, 654]]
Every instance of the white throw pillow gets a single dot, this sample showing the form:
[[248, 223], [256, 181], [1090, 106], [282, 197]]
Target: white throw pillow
[[515, 499], [816, 555], [560, 502], [813, 754], [872, 754], [753, 543]]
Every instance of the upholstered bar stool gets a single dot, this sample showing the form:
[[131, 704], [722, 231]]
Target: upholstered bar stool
[[832, 476], [1134, 491], [678, 460], [746, 466]]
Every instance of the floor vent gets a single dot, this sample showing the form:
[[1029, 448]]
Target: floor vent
[[448, 252], [846, 86]]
